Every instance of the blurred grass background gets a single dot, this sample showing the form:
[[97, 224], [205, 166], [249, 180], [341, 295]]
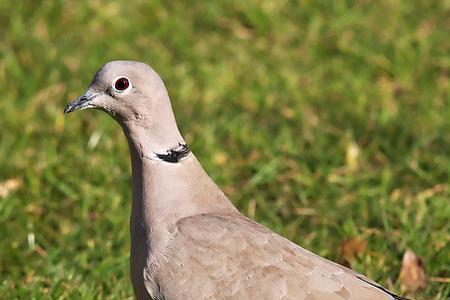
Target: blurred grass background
[[324, 120]]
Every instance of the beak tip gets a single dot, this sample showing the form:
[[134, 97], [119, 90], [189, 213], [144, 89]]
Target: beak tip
[[82, 102], [67, 109]]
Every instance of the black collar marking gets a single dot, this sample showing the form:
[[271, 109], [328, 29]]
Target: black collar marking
[[176, 154]]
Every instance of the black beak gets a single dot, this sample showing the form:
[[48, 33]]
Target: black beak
[[82, 102]]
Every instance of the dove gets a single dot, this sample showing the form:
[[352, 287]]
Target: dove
[[188, 241]]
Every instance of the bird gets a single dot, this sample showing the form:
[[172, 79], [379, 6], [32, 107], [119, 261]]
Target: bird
[[188, 241]]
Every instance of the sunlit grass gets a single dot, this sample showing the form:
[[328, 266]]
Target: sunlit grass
[[322, 121]]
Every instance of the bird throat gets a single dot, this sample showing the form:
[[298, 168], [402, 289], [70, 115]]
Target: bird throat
[[173, 155]]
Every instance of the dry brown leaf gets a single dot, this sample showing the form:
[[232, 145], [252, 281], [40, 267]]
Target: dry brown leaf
[[41, 251], [412, 275], [352, 247], [9, 186], [254, 155]]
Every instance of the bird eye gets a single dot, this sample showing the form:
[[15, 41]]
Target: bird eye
[[121, 84]]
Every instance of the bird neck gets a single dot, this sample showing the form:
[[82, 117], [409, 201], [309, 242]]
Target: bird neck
[[156, 140], [164, 192]]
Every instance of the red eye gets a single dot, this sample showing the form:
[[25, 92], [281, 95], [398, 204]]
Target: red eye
[[121, 84]]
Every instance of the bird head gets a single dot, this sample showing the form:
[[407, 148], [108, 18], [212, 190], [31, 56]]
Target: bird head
[[127, 90], [135, 96]]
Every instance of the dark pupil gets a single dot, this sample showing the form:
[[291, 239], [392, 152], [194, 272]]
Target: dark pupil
[[121, 84]]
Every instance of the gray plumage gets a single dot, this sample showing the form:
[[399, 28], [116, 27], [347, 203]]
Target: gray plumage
[[187, 239]]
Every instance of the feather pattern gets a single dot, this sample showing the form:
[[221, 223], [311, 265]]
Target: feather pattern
[[188, 241], [228, 256]]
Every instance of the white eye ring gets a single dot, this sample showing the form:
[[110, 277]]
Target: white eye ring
[[121, 84]]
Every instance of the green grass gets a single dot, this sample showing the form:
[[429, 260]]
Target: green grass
[[273, 98]]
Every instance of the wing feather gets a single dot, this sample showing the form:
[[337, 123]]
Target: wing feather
[[228, 256]]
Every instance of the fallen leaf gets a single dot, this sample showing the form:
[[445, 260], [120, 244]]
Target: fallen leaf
[[412, 275], [9, 186], [41, 251], [254, 155], [351, 248]]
